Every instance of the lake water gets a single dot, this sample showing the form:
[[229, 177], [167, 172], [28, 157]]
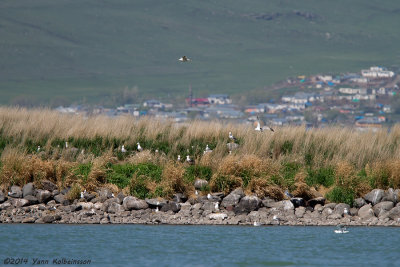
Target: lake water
[[140, 245]]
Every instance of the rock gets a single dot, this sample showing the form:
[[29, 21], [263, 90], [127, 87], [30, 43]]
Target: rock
[[15, 191], [114, 207], [180, 198], [132, 203], [268, 202], [28, 220], [173, 206], [200, 183], [5, 205], [382, 206], [43, 196], [248, 204], [88, 196], [32, 200], [105, 193], [315, 201], [353, 211], [339, 209], [391, 195], [300, 211], [84, 206], [21, 202], [232, 146], [48, 185], [120, 196], [155, 202], [394, 213], [61, 199], [284, 205], [2, 197], [28, 190], [54, 193], [359, 202], [375, 196], [298, 202], [233, 198], [51, 218], [217, 216], [366, 212], [327, 211]]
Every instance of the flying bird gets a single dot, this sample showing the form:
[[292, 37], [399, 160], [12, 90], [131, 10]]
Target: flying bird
[[184, 59]]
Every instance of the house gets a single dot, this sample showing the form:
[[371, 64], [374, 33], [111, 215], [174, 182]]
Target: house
[[377, 72], [152, 103], [219, 99], [198, 102], [353, 91]]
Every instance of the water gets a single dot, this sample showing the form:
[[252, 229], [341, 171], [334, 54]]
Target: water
[[140, 245]]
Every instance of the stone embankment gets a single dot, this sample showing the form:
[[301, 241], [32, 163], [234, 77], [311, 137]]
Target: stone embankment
[[48, 205]]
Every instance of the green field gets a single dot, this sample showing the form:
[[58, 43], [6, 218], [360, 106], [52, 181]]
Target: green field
[[89, 51]]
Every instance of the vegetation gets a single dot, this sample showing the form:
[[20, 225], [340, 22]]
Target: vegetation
[[100, 50], [339, 163]]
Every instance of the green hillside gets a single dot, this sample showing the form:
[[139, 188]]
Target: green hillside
[[89, 50]]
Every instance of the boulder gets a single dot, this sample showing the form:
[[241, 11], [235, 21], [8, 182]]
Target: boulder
[[2, 197], [340, 208], [28, 190], [21, 202], [173, 206], [133, 203], [382, 206], [155, 202], [298, 202], [248, 204], [51, 218], [15, 191], [284, 205], [366, 212], [232, 146], [359, 202], [315, 201], [5, 205], [233, 198], [88, 196], [61, 199], [268, 202], [391, 195], [394, 213], [48, 185], [180, 198], [28, 220], [300, 211], [120, 196], [209, 206], [108, 203], [114, 207], [43, 196], [217, 216], [84, 206], [105, 193], [375, 196], [200, 183], [32, 200]]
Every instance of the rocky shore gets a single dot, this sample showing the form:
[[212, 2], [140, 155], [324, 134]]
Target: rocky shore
[[48, 205]]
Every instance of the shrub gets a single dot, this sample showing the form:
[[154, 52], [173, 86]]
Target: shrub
[[197, 171], [224, 183], [321, 176], [341, 195], [74, 192], [138, 187], [263, 187]]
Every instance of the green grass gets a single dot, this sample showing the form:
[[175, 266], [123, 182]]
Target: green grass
[[57, 52], [121, 174], [341, 195]]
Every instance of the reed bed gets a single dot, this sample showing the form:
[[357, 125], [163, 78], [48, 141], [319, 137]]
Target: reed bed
[[336, 161]]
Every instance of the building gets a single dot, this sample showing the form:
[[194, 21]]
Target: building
[[377, 72], [219, 99]]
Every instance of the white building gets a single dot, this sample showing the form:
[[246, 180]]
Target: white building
[[377, 72], [219, 99], [353, 91]]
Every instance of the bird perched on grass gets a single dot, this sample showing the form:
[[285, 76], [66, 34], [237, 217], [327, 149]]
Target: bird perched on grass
[[139, 148], [208, 150], [123, 150], [66, 144], [179, 158], [231, 137], [189, 160], [184, 59], [38, 149]]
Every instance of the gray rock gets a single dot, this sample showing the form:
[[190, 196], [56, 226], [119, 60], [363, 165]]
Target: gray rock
[[330, 206], [105, 193], [298, 202], [88, 196], [315, 201], [300, 211], [268, 202], [284, 205], [107, 203], [391, 195], [340, 208], [54, 193], [61, 199], [155, 202], [375, 196], [359, 202], [121, 197], [233, 198], [5, 205], [132, 203], [51, 218], [232, 146], [2, 197], [28, 190], [28, 220], [114, 207], [248, 204], [15, 192], [43, 196], [382, 206], [32, 200], [171, 206], [394, 213], [48, 185], [217, 216], [179, 198], [200, 183], [21, 202], [366, 212]]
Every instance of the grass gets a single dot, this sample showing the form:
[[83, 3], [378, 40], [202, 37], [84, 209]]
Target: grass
[[97, 51], [265, 163]]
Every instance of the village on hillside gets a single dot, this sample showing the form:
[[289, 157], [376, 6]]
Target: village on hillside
[[365, 100]]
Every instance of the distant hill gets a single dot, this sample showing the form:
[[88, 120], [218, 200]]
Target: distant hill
[[89, 50]]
